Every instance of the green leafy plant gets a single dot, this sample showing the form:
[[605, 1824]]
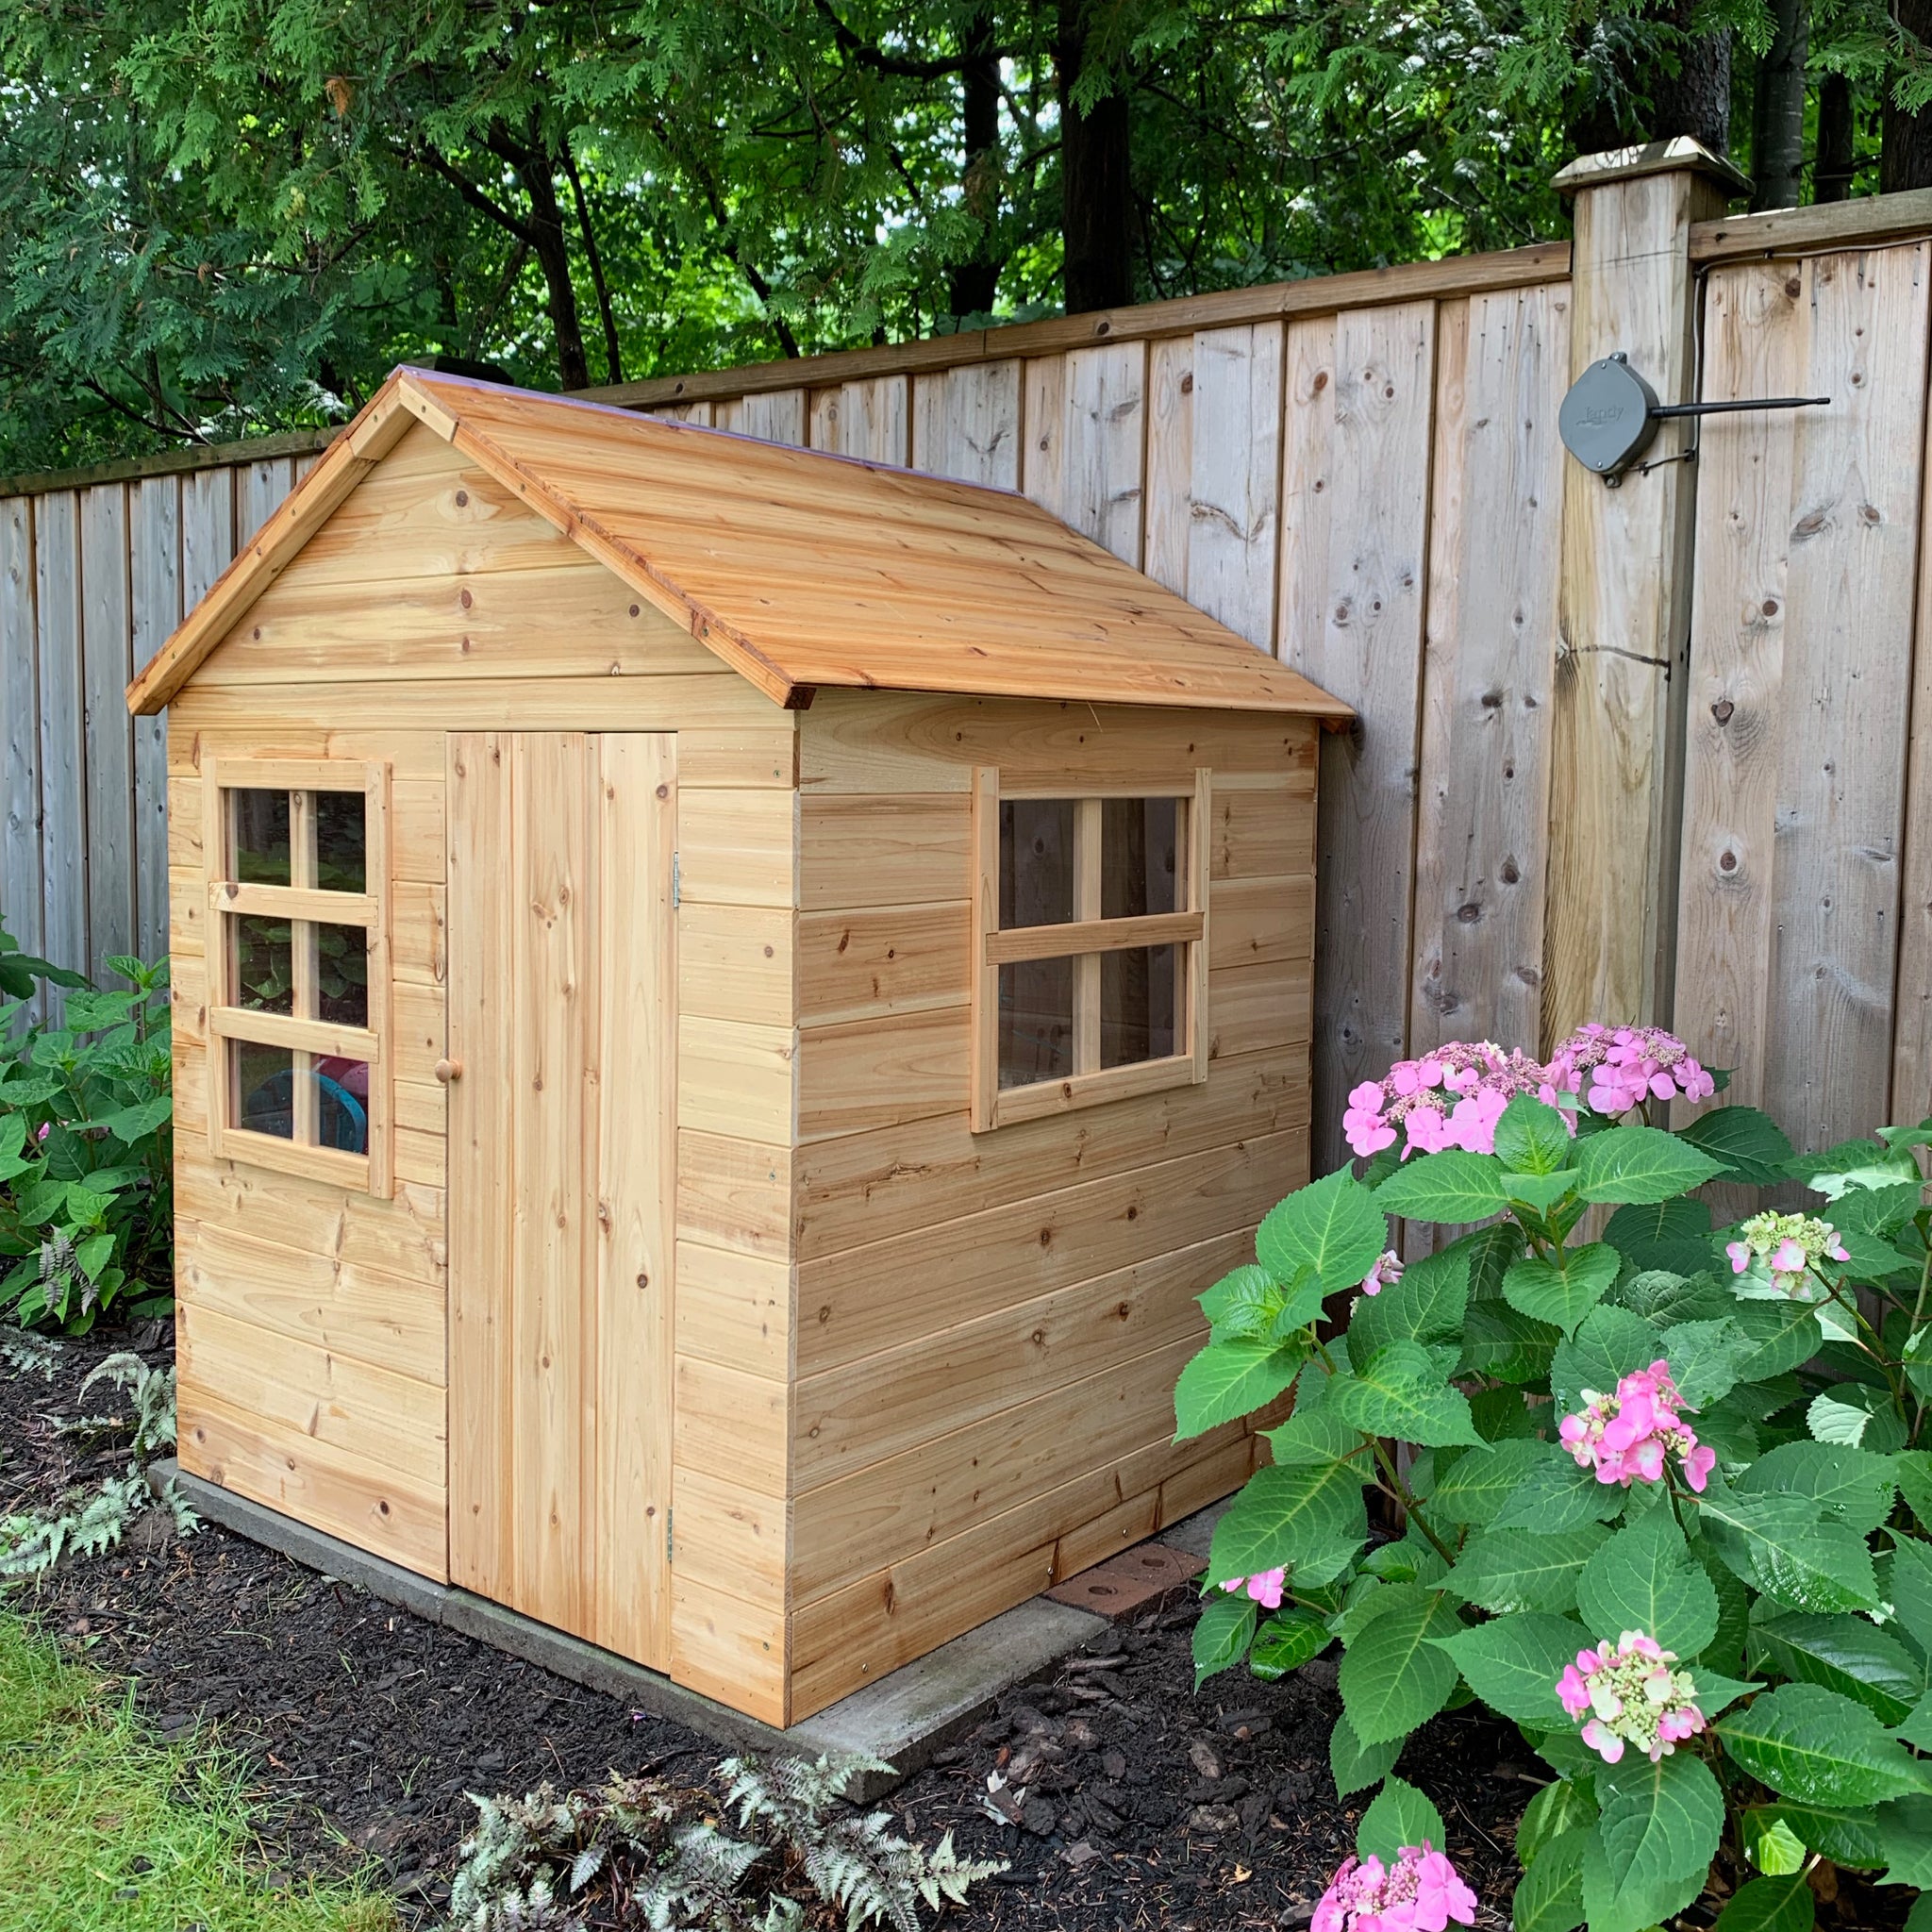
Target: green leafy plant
[[645, 1851], [1654, 1491], [85, 1155], [89, 1519]]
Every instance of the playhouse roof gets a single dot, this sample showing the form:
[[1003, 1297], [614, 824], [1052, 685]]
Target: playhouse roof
[[798, 568]]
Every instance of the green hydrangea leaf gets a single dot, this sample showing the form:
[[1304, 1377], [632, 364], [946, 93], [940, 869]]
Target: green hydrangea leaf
[[1303, 1517], [1404, 1393], [1513, 1664], [1845, 1835], [1567, 1804], [1355, 1766], [1452, 1186], [1425, 1306], [1555, 1494], [1232, 1379], [1480, 1482], [1393, 1678], [1845, 1653], [1818, 1747], [1853, 1484], [1750, 1145], [1562, 1296], [1398, 1816], [1705, 1359], [1664, 1298], [1640, 1165], [1782, 1904], [1643, 1578], [1654, 1843], [1286, 1642], [1506, 1344], [1549, 1895], [1779, 1542], [1905, 1829], [1609, 1344], [1221, 1634], [1335, 1227], [1509, 1570]]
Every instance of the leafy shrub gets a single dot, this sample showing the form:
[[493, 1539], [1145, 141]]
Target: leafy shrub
[[1650, 1490], [86, 1152], [88, 1521], [644, 1852]]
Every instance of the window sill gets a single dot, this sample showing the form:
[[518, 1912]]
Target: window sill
[[1046, 1097]]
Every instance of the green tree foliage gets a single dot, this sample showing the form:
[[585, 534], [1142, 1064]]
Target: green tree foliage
[[224, 215]]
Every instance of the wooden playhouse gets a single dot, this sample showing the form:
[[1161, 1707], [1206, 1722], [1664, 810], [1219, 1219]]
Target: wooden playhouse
[[728, 1000]]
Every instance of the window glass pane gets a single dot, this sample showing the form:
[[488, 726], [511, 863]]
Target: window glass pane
[[261, 837], [342, 975], [264, 963], [263, 1098], [1138, 854], [1035, 861], [1036, 1022], [342, 1104], [1139, 1003], [341, 842]]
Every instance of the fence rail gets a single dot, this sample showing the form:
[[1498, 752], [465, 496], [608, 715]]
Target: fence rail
[[1565, 724]]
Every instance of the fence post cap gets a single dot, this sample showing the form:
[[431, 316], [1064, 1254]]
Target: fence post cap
[[1677, 155]]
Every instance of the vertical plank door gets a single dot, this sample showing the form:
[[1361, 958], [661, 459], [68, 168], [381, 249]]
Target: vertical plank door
[[562, 1025]]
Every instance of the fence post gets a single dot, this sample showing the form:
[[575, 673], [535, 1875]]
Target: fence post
[[1618, 731]]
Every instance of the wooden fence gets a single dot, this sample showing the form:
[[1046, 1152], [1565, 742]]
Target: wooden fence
[[1662, 751]]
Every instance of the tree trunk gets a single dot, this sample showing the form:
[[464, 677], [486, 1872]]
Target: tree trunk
[[1831, 171], [1696, 100], [536, 172], [975, 281], [1905, 157], [1778, 109], [1097, 208]]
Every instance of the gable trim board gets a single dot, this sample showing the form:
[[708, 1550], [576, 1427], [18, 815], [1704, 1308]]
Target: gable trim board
[[798, 568]]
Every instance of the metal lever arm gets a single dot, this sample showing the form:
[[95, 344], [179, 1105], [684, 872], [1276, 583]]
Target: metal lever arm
[[1660, 409]]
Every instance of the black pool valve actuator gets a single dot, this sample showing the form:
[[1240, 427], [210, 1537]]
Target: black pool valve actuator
[[1611, 414]]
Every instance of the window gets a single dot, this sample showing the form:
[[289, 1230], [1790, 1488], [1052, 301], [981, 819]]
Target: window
[[298, 951], [1090, 944]]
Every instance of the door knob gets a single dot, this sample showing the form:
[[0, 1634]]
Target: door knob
[[447, 1071]]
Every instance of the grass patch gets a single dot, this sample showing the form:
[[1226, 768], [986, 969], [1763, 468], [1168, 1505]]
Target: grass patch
[[103, 1826]]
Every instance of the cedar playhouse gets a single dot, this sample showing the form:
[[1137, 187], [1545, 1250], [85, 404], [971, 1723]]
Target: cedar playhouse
[[728, 999]]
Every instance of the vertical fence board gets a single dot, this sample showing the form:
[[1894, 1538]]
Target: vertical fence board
[[261, 487], [1368, 650], [1234, 523], [21, 910], [966, 423], [864, 419], [1042, 443], [1495, 552], [1911, 1051], [1104, 452], [777, 416], [107, 664], [157, 579], [1754, 346], [208, 531], [63, 758], [1847, 681], [699, 413], [1168, 511]]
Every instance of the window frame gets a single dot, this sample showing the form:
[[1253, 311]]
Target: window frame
[[302, 903], [1085, 938]]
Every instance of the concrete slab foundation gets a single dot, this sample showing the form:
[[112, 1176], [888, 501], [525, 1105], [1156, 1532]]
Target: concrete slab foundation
[[901, 1720]]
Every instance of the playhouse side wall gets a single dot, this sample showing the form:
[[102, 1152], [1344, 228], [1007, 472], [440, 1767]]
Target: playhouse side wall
[[312, 1319], [988, 1327]]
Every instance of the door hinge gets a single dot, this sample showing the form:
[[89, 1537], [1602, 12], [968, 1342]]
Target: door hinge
[[676, 883]]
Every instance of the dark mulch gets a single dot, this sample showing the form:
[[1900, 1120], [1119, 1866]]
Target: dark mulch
[[1124, 1798]]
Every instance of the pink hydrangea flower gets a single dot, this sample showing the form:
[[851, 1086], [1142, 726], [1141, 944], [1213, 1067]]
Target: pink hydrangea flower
[[1266, 1587], [1625, 1437], [1615, 1069], [1782, 1251], [1385, 1273], [1450, 1098], [1420, 1892], [1633, 1697]]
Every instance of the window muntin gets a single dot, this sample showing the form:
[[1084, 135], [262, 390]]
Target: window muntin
[[297, 870], [1090, 944]]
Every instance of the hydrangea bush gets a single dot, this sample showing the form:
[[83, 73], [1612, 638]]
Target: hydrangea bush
[[1659, 1492]]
